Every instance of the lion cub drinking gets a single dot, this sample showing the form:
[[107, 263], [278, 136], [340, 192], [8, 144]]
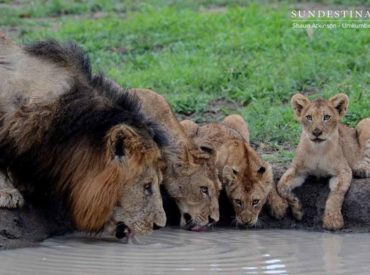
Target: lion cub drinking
[[246, 178], [326, 148], [189, 174]]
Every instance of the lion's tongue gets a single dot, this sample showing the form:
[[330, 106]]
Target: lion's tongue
[[130, 234]]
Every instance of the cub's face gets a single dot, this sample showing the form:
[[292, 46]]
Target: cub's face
[[195, 187], [247, 180], [198, 200], [319, 118], [140, 206]]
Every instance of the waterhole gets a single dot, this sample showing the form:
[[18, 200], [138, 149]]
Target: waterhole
[[175, 251]]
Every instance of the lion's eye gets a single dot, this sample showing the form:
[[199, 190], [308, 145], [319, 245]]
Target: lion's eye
[[326, 117], [255, 202], [204, 190], [309, 117], [238, 202], [148, 190]]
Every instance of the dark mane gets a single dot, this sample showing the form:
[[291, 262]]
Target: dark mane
[[92, 108], [122, 100], [67, 55], [85, 113]]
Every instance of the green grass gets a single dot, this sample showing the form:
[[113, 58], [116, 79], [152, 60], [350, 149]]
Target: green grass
[[194, 52]]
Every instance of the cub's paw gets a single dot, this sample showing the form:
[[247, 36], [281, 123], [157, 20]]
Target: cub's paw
[[362, 173], [278, 208], [11, 198], [297, 214], [282, 190], [296, 209], [332, 220], [362, 170]]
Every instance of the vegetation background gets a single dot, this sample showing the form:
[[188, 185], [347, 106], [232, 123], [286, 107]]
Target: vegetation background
[[211, 58]]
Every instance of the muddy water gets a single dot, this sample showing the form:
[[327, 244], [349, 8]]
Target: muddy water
[[173, 251]]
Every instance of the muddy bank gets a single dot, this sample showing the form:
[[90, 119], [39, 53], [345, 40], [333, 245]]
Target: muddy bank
[[29, 225], [313, 194]]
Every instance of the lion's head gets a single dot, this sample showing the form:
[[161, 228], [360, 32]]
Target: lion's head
[[140, 207], [246, 178], [195, 187], [123, 189], [319, 118]]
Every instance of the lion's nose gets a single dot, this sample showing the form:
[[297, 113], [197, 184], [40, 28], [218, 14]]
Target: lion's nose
[[317, 132], [211, 221], [187, 218]]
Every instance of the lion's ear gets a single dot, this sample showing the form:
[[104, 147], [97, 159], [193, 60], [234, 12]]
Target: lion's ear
[[298, 103], [122, 140], [190, 127], [340, 103]]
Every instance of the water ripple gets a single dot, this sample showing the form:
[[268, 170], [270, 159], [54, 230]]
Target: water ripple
[[174, 251]]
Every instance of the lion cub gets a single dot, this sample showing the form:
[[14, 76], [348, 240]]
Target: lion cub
[[326, 148], [246, 178]]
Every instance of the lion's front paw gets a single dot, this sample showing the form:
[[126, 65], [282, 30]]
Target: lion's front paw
[[278, 208], [11, 198], [332, 220]]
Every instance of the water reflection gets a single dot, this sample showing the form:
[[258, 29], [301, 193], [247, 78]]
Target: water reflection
[[173, 251]]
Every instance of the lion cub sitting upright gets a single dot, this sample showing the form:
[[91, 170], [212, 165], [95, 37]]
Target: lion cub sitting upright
[[326, 148]]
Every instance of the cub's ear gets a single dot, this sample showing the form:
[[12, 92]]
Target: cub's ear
[[228, 175], [340, 103], [205, 151], [237, 123], [298, 102], [121, 141], [190, 127]]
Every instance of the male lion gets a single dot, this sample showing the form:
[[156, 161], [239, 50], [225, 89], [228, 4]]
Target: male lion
[[246, 178], [190, 175], [67, 135], [326, 148]]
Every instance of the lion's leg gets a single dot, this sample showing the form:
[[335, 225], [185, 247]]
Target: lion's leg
[[277, 204], [333, 219], [362, 169], [10, 197], [290, 180]]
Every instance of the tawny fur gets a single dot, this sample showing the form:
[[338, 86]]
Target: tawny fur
[[69, 134], [239, 168], [189, 168], [326, 148]]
